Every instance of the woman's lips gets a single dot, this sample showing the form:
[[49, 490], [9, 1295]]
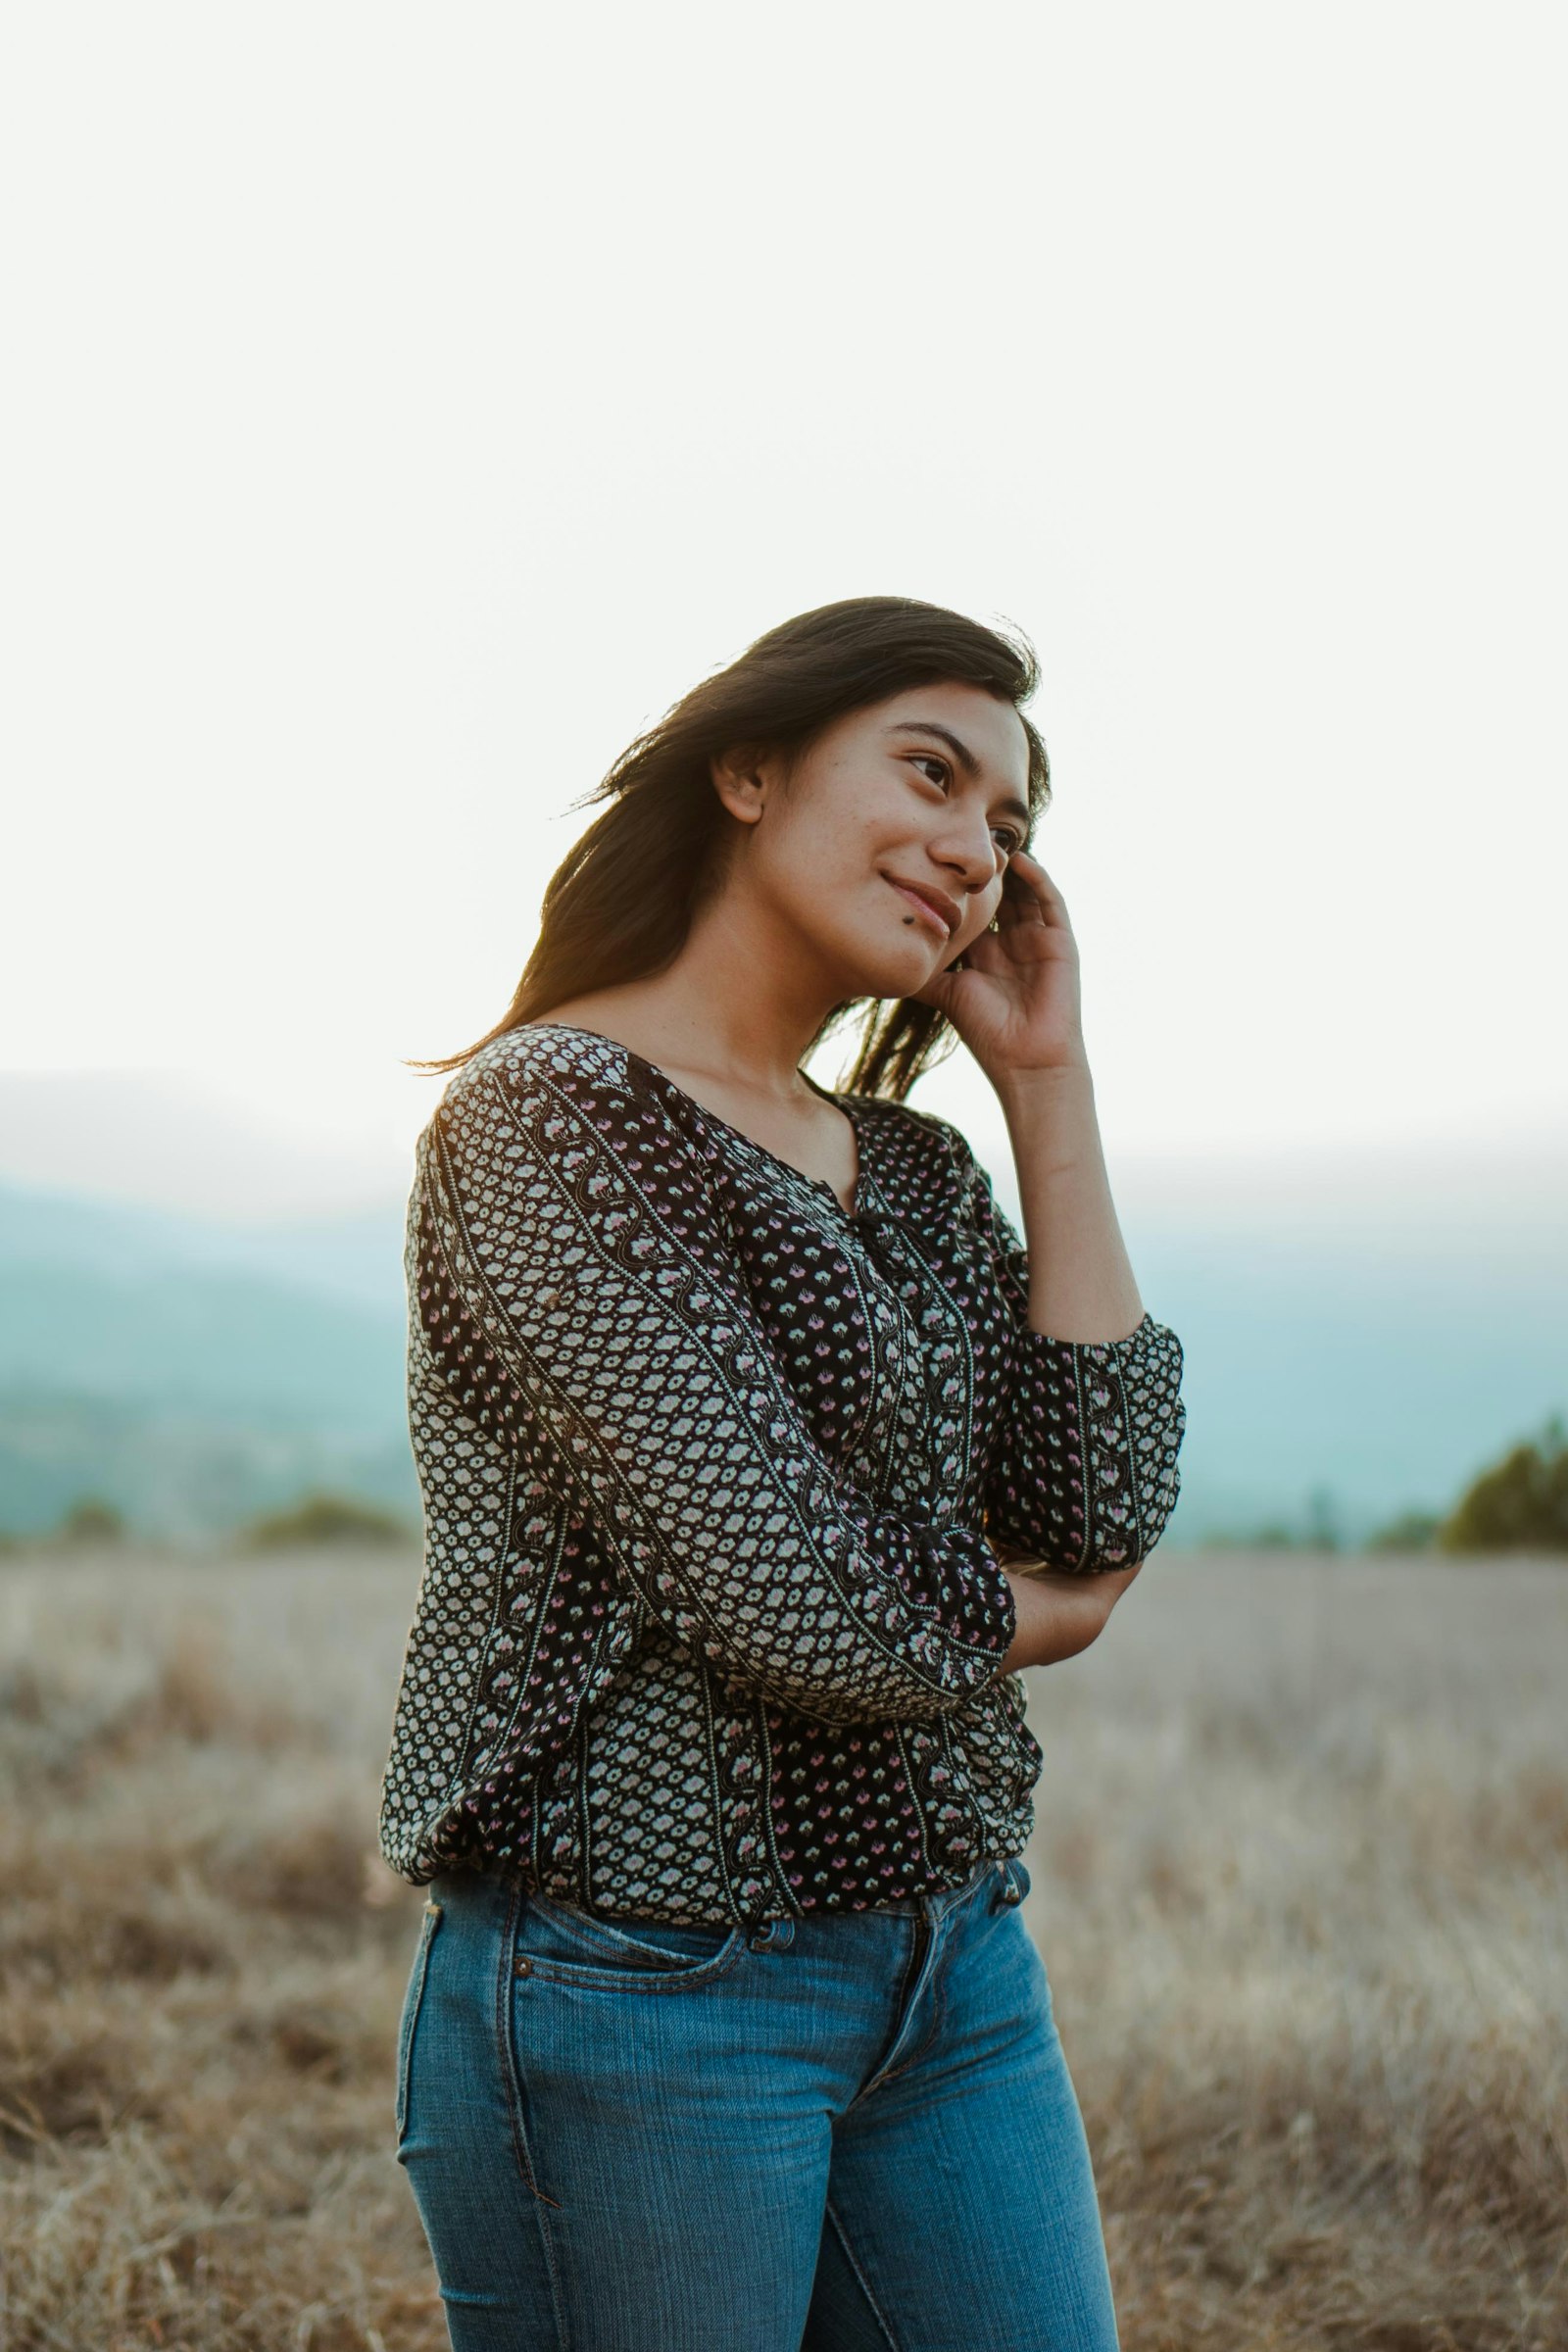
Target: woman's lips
[[939, 913]]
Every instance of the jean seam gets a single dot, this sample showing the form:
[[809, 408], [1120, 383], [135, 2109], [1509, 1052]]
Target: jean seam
[[864, 2283], [939, 1961], [938, 2002], [427, 1934], [606, 1936], [905, 1998], [581, 1975], [511, 2074]]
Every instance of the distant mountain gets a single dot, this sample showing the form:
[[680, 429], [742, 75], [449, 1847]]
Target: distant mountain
[[180, 1472], [191, 1372], [1341, 1389], [1363, 1334], [163, 1311], [1361, 1337]]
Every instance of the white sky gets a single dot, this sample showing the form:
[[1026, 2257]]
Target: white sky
[[404, 404]]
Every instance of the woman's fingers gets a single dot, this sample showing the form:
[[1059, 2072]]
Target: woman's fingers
[[1034, 897]]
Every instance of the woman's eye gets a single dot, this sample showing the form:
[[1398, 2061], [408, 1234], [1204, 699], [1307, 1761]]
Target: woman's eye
[[939, 771]]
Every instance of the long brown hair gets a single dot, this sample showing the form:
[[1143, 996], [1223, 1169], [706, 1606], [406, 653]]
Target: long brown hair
[[621, 903]]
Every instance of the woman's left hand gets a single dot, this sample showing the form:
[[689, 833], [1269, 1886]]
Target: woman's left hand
[[1015, 1003]]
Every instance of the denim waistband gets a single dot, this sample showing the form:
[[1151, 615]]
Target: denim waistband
[[1006, 1874], [933, 1906], [1008, 1880]]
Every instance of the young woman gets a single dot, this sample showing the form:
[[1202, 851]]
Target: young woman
[[758, 1457]]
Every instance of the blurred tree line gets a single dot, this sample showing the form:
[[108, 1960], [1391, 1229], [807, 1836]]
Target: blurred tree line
[[1517, 1504], [91, 1524], [1520, 1504]]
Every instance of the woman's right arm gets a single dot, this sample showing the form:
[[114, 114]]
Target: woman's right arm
[[578, 1286]]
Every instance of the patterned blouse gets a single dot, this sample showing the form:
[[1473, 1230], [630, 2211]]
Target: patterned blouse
[[715, 1473]]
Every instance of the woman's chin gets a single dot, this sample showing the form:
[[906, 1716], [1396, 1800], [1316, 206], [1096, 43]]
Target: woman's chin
[[895, 974]]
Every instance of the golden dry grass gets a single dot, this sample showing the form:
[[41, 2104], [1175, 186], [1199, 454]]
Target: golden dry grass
[[1299, 1881]]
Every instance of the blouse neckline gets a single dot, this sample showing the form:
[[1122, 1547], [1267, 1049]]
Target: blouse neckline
[[715, 1118]]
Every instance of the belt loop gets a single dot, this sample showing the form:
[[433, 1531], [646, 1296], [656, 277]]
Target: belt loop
[[1011, 1886]]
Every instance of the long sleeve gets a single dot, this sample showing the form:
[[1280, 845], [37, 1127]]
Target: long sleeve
[[575, 1275], [1083, 1472]]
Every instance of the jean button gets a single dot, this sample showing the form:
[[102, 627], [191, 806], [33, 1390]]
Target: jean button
[[521, 1966]]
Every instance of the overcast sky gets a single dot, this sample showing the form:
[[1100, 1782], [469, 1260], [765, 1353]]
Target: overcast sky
[[406, 404]]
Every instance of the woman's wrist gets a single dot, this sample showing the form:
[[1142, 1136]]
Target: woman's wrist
[[1081, 1283], [1053, 1120]]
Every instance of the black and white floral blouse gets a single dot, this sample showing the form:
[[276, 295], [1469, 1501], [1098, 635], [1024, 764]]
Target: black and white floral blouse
[[711, 1624]]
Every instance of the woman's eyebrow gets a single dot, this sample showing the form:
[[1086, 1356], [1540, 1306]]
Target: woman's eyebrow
[[965, 758]]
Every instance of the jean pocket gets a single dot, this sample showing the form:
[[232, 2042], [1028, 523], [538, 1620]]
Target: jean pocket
[[413, 2004], [570, 1947]]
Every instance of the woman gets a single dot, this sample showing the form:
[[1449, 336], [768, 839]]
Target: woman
[[758, 1457]]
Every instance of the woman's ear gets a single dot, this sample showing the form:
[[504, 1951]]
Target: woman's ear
[[742, 779]]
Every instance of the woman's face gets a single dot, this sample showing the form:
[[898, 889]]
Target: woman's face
[[886, 846]]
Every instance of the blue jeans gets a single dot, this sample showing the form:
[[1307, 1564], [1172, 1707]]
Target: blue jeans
[[852, 2131]]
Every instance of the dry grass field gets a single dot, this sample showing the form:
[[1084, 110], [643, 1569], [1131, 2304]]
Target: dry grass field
[[1300, 1881]]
